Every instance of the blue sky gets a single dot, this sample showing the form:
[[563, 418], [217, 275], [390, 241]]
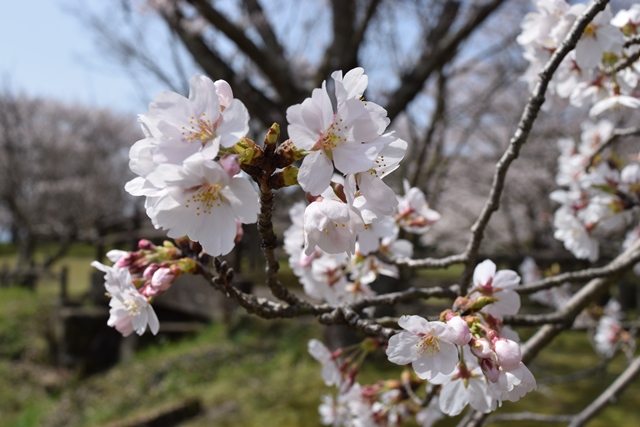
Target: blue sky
[[45, 51]]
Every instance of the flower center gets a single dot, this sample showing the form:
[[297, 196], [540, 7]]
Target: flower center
[[428, 344], [199, 129], [132, 307], [333, 137], [590, 31], [204, 198]]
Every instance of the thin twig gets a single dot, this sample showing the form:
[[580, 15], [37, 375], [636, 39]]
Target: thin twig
[[617, 133], [622, 262], [521, 134], [529, 416], [609, 395]]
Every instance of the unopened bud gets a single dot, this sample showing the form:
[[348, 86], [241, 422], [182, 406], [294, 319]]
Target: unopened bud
[[482, 301], [229, 163], [490, 370], [480, 347], [507, 353], [148, 272], [145, 244]]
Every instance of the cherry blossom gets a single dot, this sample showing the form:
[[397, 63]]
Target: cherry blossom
[[200, 200], [210, 117], [330, 368], [332, 225], [428, 346], [414, 215], [129, 310], [499, 285], [465, 385], [347, 138]]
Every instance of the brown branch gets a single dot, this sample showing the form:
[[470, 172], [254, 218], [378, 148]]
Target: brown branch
[[273, 67], [261, 23], [346, 315], [258, 103], [521, 135], [436, 118], [557, 322], [406, 295], [528, 416], [609, 395], [622, 262], [624, 63], [617, 133], [431, 262], [259, 306], [339, 54], [438, 52]]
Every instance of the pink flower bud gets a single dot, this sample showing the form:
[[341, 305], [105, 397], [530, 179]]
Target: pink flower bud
[[230, 164], [490, 370], [148, 272], [162, 279], [507, 353], [461, 329], [480, 347], [239, 232], [127, 260], [146, 245]]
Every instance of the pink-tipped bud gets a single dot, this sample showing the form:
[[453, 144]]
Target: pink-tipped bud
[[239, 232], [127, 260], [148, 272], [146, 245], [480, 347], [490, 370], [162, 279], [230, 164], [507, 353], [461, 330]]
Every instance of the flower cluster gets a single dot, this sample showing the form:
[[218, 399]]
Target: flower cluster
[[337, 277], [351, 139], [586, 76], [135, 279], [602, 192], [189, 175], [386, 403], [469, 352]]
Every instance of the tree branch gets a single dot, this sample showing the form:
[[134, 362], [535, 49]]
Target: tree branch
[[441, 49], [609, 395], [274, 68], [257, 102], [522, 133], [617, 133], [622, 262]]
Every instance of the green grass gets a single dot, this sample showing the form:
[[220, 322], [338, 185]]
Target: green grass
[[253, 373], [261, 372]]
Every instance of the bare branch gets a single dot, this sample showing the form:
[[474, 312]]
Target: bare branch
[[257, 102], [609, 395], [439, 52], [529, 416], [617, 133], [274, 68], [622, 262], [522, 133]]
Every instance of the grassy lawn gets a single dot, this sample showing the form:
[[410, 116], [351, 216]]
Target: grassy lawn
[[254, 373]]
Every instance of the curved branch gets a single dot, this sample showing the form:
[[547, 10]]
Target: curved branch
[[274, 68], [522, 133], [257, 102], [609, 395], [562, 319], [438, 52], [622, 262], [617, 133]]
